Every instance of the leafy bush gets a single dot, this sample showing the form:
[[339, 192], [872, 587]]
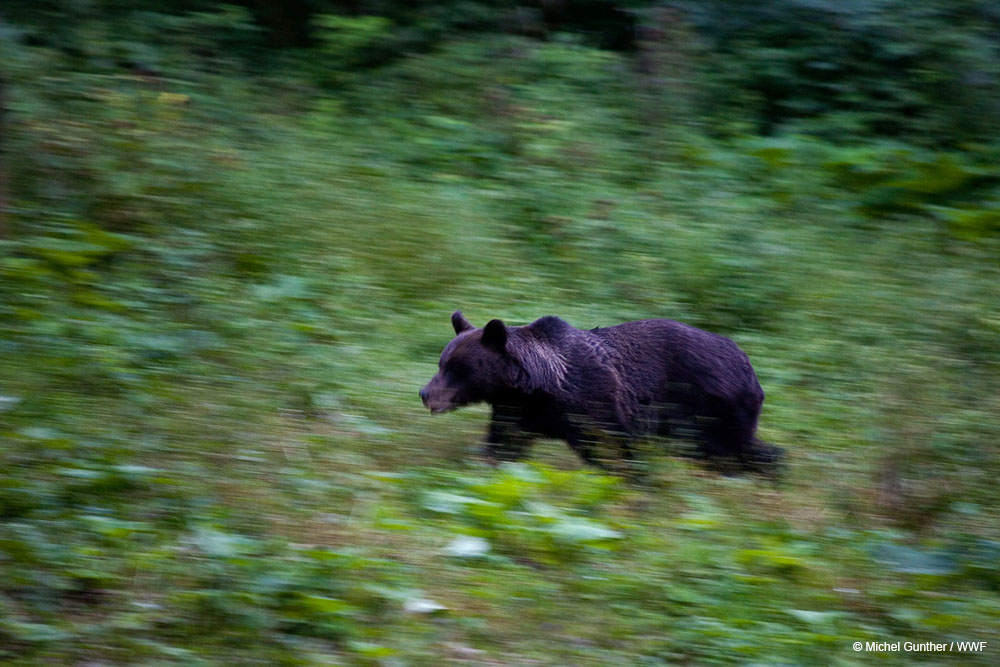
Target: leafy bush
[[513, 511], [228, 252]]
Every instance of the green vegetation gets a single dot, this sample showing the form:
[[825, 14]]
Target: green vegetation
[[231, 240]]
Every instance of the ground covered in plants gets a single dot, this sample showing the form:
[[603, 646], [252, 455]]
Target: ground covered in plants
[[224, 276]]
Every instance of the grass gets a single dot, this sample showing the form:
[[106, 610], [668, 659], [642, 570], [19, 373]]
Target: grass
[[215, 448]]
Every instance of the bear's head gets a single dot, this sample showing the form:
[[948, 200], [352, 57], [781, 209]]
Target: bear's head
[[473, 366], [484, 364]]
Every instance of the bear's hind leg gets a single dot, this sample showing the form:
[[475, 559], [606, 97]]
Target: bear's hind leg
[[763, 457], [726, 434]]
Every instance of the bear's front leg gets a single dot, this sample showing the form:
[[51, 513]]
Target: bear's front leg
[[506, 440]]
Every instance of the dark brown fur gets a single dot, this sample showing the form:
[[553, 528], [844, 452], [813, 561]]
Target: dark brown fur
[[651, 377]]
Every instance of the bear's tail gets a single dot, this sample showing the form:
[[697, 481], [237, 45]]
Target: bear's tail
[[765, 458]]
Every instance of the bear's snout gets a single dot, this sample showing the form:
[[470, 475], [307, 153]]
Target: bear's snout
[[437, 399]]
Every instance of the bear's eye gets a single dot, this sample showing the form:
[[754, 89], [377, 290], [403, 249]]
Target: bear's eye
[[457, 371]]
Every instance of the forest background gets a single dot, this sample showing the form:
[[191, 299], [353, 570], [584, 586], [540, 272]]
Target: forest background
[[231, 236]]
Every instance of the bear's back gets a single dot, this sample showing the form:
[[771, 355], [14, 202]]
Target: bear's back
[[655, 351]]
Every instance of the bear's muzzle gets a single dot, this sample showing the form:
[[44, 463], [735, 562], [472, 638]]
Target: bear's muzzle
[[434, 402]]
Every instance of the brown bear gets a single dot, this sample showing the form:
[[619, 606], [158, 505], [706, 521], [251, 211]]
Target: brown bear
[[614, 384]]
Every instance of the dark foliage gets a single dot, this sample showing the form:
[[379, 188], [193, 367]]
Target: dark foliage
[[227, 231]]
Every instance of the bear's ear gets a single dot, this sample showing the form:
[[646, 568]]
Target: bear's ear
[[495, 335], [459, 322]]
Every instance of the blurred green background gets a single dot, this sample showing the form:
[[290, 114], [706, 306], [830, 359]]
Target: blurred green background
[[231, 236]]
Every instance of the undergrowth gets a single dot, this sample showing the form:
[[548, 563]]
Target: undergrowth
[[221, 293]]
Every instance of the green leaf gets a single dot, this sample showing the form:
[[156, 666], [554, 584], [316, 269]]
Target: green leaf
[[908, 560], [467, 546], [324, 605], [577, 529], [814, 617], [449, 503]]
